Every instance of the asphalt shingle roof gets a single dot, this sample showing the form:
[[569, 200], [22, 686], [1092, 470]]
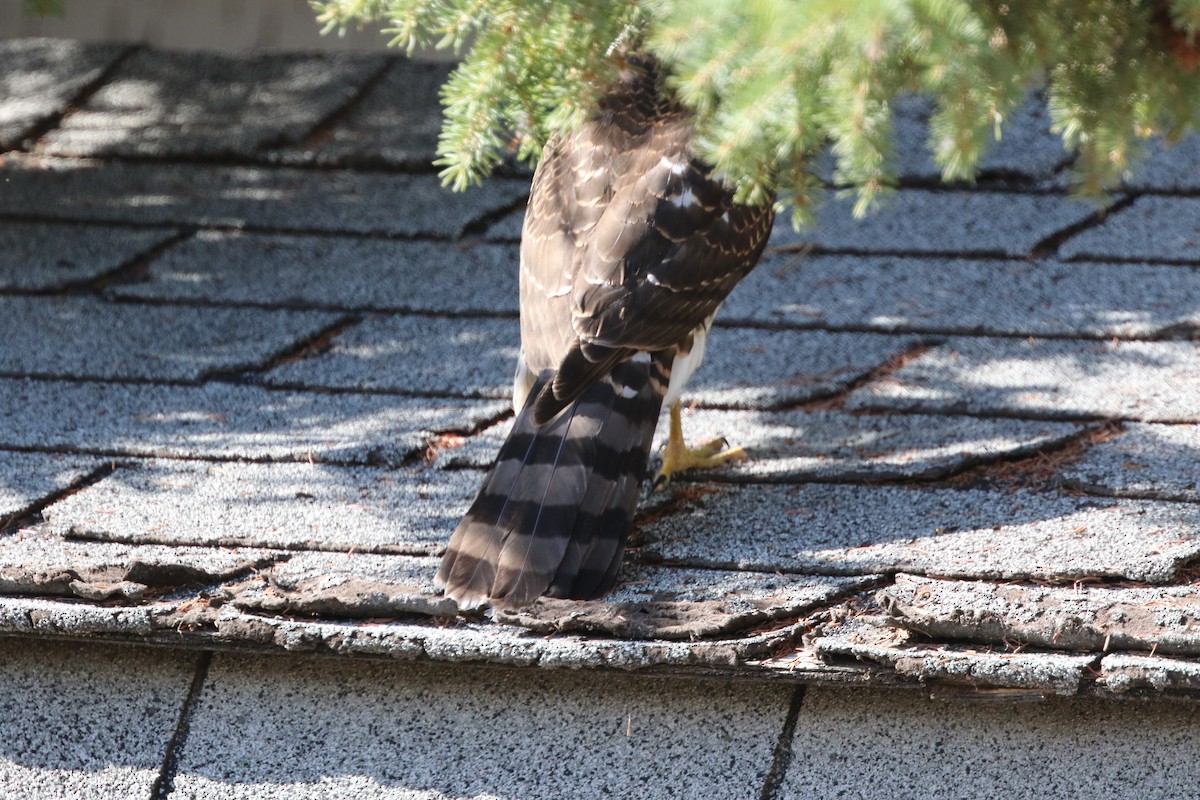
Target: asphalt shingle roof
[[253, 361]]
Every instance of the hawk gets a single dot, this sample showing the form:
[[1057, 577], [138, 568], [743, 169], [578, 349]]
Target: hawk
[[630, 244]]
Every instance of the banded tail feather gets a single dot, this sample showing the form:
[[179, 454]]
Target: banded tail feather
[[554, 511]]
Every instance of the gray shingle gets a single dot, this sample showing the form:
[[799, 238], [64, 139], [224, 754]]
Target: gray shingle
[[219, 266], [39, 563], [653, 603], [396, 123], [853, 742], [226, 421], [289, 506], [949, 668], [936, 295], [846, 529], [960, 222], [42, 256], [84, 337], [1127, 672], [756, 368], [797, 446], [86, 722], [681, 604], [551, 734], [424, 355], [26, 478], [285, 199], [179, 621], [168, 103], [507, 228], [50, 617], [1152, 461], [1147, 381], [41, 77], [1169, 168], [350, 585], [1082, 618], [743, 367], [1152, 229]]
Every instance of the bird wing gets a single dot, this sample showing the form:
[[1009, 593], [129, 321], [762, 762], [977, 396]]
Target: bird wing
[[655, 243]]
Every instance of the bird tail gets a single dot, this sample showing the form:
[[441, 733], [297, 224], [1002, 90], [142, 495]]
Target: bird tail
[[554, 511]]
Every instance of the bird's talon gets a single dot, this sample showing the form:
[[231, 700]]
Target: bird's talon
[[678, 457], [709, 449]]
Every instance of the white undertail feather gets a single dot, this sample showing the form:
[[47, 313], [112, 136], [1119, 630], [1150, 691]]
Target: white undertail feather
[[523, 382], [685, 364]]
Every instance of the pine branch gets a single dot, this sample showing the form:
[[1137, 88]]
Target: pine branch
[[42, 8], [774, 82]]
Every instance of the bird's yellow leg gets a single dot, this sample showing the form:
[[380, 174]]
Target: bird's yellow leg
[[677, 456]]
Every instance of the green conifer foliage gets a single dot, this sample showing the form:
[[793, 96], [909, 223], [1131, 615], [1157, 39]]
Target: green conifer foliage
[[775, 81], [42, 8]]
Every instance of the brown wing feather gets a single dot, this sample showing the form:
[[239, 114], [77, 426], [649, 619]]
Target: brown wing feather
[[666, 251], [656, 249]]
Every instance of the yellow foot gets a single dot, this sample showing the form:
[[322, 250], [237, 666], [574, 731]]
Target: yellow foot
[[678, 457]]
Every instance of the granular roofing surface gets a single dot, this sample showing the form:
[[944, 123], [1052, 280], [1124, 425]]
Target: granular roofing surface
[[253, 362]]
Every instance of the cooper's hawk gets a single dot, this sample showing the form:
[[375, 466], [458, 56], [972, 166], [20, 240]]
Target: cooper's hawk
[[629, 247]]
